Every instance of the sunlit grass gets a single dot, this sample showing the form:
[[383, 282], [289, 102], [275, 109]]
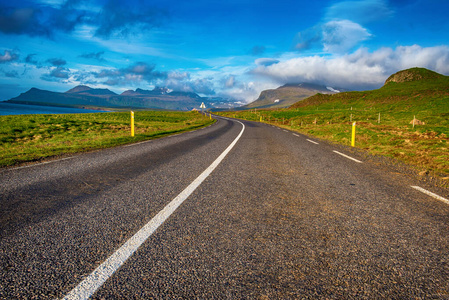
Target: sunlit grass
[[34, 137]]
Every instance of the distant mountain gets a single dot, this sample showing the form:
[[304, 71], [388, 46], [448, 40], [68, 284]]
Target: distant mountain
[[85, 90], [36, 96], [144, 93], [84, 96], [287, 95]]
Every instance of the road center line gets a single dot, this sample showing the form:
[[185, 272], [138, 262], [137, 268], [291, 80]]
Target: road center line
[[351, 158], [296, 134], [431, 194], [312, 141], [95, 280]]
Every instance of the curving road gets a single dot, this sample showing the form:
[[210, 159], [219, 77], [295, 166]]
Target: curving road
[[280, 216]]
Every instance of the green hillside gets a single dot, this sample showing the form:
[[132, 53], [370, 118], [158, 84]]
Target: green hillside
[[384, 119], [410, 90]]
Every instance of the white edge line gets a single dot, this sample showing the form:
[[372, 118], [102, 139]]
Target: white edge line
[[431, 194], [39, 164], [296, 134], [95, 280], [138, 143], [312, 141], [351, 158]]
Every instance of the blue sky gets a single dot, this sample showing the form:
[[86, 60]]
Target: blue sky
[[234, 48]]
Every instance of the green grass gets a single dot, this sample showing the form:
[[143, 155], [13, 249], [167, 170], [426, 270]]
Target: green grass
[[35, 137], [426, 147]]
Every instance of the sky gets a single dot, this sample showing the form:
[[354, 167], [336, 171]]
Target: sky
[[217, 48]]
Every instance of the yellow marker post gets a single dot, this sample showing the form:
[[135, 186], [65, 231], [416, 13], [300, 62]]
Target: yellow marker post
[[210, 116], [260, 118], [132, 123], [353, 135]]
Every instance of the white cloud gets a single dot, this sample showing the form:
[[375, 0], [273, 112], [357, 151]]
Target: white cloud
[[336, 36], [247, 91], [359, 70], [266, 61], [362, 12], [341, 36], [230, 82], [8, 56]]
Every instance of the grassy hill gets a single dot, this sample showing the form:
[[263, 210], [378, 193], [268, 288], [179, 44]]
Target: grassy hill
[[413, 89], [384, 119]]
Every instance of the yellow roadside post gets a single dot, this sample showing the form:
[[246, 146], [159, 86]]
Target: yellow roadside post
[[353, 135], [132, 123]]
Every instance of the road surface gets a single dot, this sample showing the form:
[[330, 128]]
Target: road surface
[[280, 216]]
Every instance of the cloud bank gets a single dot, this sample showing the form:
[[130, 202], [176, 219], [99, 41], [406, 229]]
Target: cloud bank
[[359, 70]]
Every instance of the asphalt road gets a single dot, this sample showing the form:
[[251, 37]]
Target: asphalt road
[[280, 217]]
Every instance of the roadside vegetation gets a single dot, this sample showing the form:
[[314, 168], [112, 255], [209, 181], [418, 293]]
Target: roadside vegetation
[[384, 121], [26, 138]]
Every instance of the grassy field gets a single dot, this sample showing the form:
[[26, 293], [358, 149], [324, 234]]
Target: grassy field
[[424, 146], [35, 137]]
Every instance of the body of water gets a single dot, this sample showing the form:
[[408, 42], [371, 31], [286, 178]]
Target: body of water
[[23, 109]]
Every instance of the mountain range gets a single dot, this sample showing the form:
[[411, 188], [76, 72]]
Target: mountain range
[[87, 97], [83, 96]]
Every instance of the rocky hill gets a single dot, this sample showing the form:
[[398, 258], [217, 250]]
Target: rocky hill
[[413, 74]]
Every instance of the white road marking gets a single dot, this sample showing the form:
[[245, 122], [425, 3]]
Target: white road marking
[[138, 143], [95, 280], [285, 130], [431, 194], [312, 141], [42, 163], [296, 134], [351, 158]]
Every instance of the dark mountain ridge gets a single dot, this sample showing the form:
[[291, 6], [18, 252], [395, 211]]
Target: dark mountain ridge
[[85, 90], [85, 96]]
